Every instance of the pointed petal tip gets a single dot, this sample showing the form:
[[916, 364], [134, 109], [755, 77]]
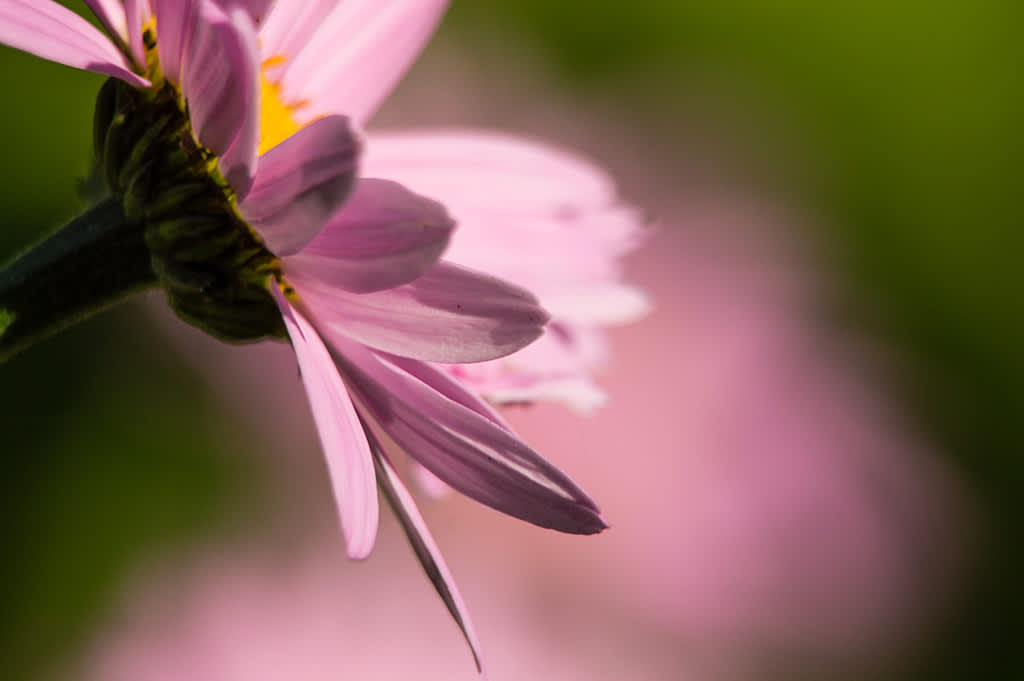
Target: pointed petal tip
[[590, 521]]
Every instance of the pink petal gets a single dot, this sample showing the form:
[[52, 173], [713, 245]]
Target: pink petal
[[135, 15], [345, 447], [256, 9], [471, 167], [385, 236], [450, 314], [358, 54], [47, 30], [300, 183], [215, 58], [424, 546], [444, 427], [288, 27], [177, 21], [111, 14], [557, 366], [221, 84]]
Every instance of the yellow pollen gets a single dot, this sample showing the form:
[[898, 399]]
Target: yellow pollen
[[277, 121]]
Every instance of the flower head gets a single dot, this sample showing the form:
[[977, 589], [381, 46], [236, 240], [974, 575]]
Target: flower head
[[227, 131]]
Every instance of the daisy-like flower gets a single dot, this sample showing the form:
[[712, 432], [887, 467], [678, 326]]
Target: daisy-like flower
[[226, 132]]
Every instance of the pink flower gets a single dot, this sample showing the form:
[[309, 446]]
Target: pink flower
[[269, 92]]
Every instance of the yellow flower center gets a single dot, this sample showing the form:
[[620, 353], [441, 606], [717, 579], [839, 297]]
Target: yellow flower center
[[277, 119]]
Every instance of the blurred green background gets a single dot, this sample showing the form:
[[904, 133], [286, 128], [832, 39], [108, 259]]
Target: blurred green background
[[905, 117]]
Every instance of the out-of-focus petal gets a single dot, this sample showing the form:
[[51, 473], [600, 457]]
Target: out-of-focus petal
[[450, 314], [177, 21], [357, 55], [111, 14], [491, 168], [47, 30], [288, 27], [135, 12], [607, 303], [424, 546], [345, 446], [257, 9], [428, 414], [556, 367], [300, 183], [383, 237]]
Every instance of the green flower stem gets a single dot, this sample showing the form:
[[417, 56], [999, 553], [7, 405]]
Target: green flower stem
[[94, 261]]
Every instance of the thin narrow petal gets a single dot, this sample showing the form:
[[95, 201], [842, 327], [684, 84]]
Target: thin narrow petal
[[47, 30], [220, 80], [423, 545], [383, 237], [428, 415], [345, 446], [300, 183], [450, 314], [359, 53]]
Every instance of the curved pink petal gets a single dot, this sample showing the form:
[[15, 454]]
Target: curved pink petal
[[214, 57], [47, 30], [135, 12], [111, 14], [444, 427], [221, 83], [425, 547], [300, 183], [383, 237], [345, 446], [450, 314], [357, 55], [177, 20]]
